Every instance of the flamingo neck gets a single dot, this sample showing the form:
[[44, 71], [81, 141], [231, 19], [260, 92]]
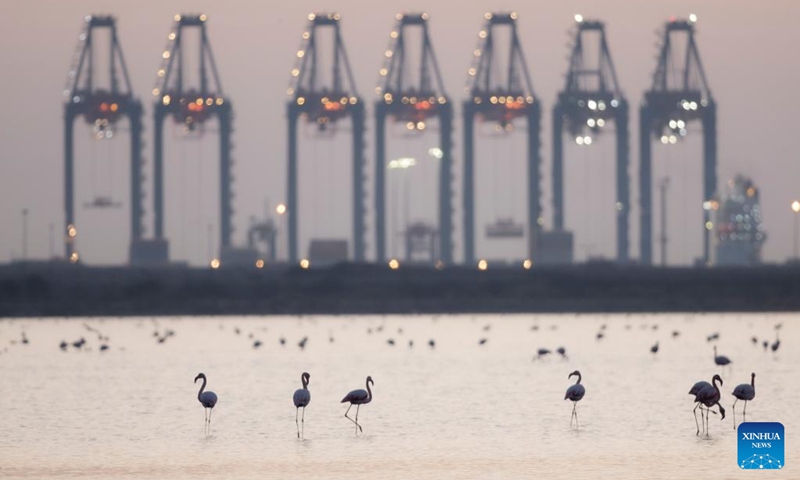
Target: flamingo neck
[[202, 387], [579, 380], [305, 382], [753, 381], [369, 393], [714, 382]]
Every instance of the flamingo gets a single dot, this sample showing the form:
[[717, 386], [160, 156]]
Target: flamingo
[[721, 360], [744, 392], [302, 397], [358, 397], [654, 349], [563, 352], [777, 344], [696, 388], [709, 396], [206, 399], [541, 353], [575, 393]]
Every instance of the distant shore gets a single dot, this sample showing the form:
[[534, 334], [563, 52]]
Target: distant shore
[[57, 289]]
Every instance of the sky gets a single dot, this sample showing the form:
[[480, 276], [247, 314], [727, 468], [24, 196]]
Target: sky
[[746, 48]]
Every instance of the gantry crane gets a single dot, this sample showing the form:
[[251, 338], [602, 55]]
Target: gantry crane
[[324, 105], [590, 99], [191, 107], [102, 107], [413, 97], [501, 99], [679, 94]]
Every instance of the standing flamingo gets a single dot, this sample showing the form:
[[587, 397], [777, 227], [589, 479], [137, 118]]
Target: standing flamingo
[[709, 396], [744, 392], [721, 360], [575, 393], [358, 397], [207, 399], [696, 388], [302, 397]]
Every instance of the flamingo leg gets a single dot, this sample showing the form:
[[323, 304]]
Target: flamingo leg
[[357, 425], [734, 412], [348, 410], [694, 411], [209, 418], [296, 411], [574, 414], [703, 418], [303, 421], [744, 414]]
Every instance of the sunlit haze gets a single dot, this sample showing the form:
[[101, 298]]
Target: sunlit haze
[[747, 53]]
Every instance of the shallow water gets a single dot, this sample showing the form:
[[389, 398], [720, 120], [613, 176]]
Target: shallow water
[[461, 410]]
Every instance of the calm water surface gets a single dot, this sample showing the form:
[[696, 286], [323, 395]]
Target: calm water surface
[[460, 410]]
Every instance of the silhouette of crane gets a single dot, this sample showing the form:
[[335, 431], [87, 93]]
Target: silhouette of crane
[[413, 100], [501, 98], [679, 95], [191, 107], [590, 99], [102, 107], [324, 105]]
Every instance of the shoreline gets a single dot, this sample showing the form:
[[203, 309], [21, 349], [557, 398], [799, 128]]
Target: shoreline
[[57, 289]]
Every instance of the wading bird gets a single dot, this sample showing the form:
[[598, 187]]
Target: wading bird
[[654, 349], [302, 397], [358, 397], [206, 399], [563, 352], [721, 360], [575, 393], [696, 388], [542, 352], [744, 392], [776, 345], [709, 396]]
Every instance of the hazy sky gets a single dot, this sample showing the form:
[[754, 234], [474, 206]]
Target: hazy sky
[[746, 47]]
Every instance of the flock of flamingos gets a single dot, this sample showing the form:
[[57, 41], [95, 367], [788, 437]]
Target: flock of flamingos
[[706, 395]]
